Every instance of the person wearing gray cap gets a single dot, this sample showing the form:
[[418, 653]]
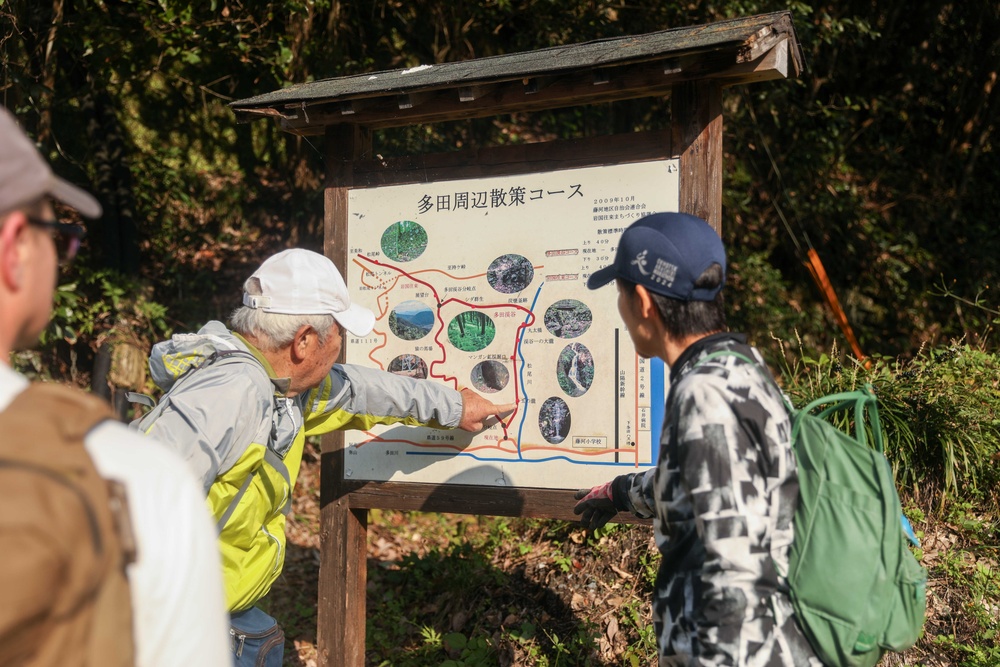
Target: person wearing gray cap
[[76, 589], [241, 400], [725, 486]]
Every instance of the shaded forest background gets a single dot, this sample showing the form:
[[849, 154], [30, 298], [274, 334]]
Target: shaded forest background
[[881, 155]]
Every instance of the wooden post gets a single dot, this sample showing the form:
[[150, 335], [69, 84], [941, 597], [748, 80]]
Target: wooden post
[[696, 108], [343, 575], [344, 145]]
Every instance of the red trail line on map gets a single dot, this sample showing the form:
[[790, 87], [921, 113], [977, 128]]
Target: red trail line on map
[[383, 307], [445, 273], [371, 355], [428, 445], [518, 449], [441, 328]]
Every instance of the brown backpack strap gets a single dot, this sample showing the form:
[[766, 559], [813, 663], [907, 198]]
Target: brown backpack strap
[[52, 499]]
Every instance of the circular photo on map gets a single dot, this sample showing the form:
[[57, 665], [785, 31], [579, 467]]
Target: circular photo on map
[[411, 320], [404, 241], [568, 318], [554, 420], [575, 369], [510, 274], [471, 331], [409, 365], [490, 376]]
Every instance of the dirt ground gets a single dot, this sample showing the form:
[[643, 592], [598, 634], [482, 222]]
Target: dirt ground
[[541, 573], [546, 574]]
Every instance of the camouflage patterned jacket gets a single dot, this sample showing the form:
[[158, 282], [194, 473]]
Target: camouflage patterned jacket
[[723, 495]]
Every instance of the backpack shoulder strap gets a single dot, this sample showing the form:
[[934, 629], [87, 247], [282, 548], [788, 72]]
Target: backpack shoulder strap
[[748, 360], [862, 400], [150, 402], [726, 353]]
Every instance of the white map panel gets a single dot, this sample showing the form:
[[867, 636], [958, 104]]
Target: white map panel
[[481, 283]]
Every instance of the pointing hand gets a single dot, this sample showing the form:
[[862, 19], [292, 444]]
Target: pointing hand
[[476, 409]]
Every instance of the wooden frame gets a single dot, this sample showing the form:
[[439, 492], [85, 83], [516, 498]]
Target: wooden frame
[[692, 65], [343, 577]]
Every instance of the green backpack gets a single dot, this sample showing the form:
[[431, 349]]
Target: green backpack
[[857, 589]]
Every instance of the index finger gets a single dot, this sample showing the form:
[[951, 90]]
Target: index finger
[[505, 409]]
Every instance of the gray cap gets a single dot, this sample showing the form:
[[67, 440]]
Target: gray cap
[[25, 176]]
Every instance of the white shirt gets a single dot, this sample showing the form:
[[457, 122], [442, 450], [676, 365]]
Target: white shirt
[[179, 615]]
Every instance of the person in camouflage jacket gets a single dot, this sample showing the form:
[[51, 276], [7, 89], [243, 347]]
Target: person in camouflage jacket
[[724, 490]]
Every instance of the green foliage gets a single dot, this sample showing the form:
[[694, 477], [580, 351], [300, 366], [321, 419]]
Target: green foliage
[[471, 651], [496, 590], [888, 175], [762, 303], [437, 575], [404, 241], [847, 172], [94, 307], [632, 615], [940, 412], [978, 605], [561, 560], [471, 330], [566, 651], [98, 301]]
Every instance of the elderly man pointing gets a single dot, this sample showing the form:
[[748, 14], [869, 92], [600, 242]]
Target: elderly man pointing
[[241, 400]]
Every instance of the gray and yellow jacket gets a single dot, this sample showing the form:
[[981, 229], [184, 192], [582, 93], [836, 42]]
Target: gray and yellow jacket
[[227, 414]]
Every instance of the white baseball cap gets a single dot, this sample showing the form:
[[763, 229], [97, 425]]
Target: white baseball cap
[[303, 282]]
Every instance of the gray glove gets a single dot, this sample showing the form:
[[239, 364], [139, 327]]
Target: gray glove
[[597, 505]]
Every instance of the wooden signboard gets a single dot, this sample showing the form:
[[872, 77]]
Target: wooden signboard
[[474, 263], [525, 465]]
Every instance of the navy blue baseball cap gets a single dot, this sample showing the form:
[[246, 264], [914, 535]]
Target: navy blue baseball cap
[[666, 253]]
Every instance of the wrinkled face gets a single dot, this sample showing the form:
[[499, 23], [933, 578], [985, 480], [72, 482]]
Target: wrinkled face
[[319, 360]]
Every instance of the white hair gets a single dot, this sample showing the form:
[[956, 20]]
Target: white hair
[[273, 331]]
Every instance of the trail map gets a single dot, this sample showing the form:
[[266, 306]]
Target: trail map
[[480, 283]]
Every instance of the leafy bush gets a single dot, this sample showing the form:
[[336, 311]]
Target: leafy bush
[[940, 413], [760, 300], [100, 300], [97, 306]]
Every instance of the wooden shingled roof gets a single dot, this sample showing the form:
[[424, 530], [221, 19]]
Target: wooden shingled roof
[[741, 50]]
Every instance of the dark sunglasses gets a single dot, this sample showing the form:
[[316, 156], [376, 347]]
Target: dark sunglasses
[[67, 237]]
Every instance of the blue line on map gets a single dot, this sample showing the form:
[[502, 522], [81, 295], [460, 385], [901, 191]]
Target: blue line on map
[[498, 459], [658, 379], [524, 413]]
